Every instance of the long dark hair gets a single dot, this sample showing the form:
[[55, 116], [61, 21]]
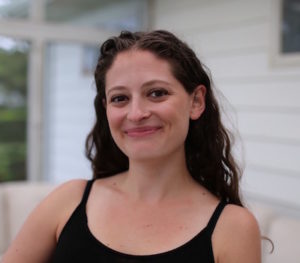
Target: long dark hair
[[208, 144]]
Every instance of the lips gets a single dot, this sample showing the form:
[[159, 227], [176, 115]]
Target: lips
[[142, 131]]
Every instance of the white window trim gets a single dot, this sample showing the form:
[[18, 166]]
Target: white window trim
[[277, 58]]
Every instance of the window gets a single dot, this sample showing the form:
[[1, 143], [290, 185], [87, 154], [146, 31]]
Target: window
[[105, 14], [14, 8], [285, 42], [290, 26]]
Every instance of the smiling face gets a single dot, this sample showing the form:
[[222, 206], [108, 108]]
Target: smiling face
[[148, 110]]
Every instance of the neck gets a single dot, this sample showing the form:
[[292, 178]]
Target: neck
[[156, 180]]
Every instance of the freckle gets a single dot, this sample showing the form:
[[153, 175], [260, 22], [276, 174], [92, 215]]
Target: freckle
[[203, 193], [148, 225]]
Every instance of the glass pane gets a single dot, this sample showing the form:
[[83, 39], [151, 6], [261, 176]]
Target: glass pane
[[107, 14], [69, 113], [291, 26], [14, 8], [13, 108]]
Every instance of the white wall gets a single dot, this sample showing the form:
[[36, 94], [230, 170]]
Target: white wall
[[69, 113], [233, 38]]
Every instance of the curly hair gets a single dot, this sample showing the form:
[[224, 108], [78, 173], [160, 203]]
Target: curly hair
[[208, 144]]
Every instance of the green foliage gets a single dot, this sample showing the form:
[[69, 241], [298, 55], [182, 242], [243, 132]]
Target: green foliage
[[12, 161], [18, 114], [13, 80], [13, 71]]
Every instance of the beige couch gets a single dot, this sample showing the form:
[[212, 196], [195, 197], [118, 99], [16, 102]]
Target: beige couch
[[18, 199], [282, 226]]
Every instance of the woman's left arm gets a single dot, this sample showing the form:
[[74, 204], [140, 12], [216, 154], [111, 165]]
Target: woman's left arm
[[237, 237]]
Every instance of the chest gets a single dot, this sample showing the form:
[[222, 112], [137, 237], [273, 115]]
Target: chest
[[140, 230]]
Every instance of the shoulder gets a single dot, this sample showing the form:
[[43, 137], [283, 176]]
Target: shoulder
[[64, 194], [56, 208], [72, 189], [64, 200], [237, 216], [237, 236], [60, 202]]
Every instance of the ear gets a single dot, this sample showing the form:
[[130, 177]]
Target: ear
[[198, 102]]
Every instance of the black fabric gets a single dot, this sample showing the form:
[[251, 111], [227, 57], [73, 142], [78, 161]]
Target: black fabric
[[77, 244]]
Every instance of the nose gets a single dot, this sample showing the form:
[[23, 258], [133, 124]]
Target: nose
[[138, 110]]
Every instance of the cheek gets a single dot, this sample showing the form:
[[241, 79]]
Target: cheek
[[178, 111], [178, 119], [114, 118]]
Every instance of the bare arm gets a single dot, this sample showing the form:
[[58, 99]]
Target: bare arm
[[36, 240], [237, 237]]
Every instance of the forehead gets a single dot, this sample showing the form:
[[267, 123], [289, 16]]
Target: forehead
[[138, 64], [139, 55]]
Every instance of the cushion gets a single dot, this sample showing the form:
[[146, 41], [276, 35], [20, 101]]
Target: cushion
[[17, 200]]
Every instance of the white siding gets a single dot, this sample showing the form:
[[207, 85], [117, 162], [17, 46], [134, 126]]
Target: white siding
[[69, 113], [233, 39]]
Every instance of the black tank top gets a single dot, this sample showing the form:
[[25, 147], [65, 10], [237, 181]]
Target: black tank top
[[77, 244]]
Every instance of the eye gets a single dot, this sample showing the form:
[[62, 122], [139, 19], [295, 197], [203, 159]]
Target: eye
[[157, 93], [118, 99]]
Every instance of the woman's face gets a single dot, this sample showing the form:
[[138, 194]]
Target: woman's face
[[148, 110]]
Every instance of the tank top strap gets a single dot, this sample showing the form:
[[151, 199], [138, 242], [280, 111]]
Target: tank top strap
[[215, 216], [87, 191]]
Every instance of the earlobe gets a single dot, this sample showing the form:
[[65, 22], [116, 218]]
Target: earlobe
[[198, 102]]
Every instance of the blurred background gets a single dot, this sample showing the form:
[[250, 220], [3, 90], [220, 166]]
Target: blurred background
[[48, 50]]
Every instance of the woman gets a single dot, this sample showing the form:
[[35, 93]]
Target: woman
[[165, 185]]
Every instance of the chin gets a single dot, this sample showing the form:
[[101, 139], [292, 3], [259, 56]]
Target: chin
[[144, 153]]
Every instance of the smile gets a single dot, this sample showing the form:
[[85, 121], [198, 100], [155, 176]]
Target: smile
[[141, 131]]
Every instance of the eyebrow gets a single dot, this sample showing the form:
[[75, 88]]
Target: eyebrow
[[155, 81], [146, 84]]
